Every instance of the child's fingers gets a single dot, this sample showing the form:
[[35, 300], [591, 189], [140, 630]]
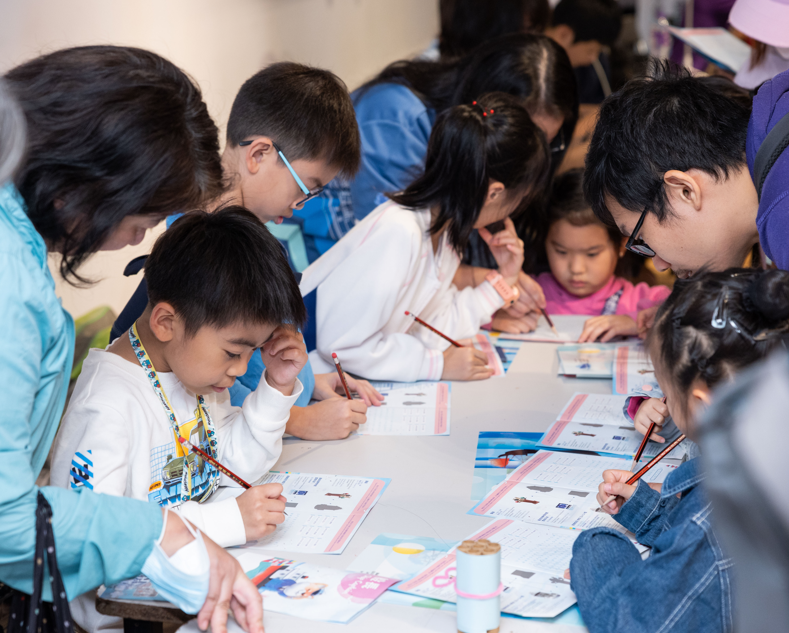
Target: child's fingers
[[479, 357], [485, 235], [532, 295]]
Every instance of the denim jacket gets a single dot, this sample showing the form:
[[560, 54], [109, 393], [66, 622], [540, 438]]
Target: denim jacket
[[684, 585]]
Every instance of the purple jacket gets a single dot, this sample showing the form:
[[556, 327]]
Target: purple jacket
[[770, 104]]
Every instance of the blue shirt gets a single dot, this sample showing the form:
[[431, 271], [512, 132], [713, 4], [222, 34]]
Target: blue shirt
[[395, 127], [100, 539], [684, 585]]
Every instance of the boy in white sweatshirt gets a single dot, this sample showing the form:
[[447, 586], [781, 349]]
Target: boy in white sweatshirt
[[220, 290]]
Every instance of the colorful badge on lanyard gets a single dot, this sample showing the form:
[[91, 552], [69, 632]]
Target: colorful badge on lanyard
[[198, 478]]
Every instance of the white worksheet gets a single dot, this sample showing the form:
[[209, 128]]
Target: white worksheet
[[533, 560], [568, 332], [597, 423], [483, 343], [634, 373], [559, 489], [410, 408], [323, 511]]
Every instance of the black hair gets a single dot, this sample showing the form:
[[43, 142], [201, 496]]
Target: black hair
[[220, 268], [665, 121], [567, 203], [713, 325], [112, 132], [494, 138], [465, 24], [729, 89], [307, 111], [599, 20], [530, 67]]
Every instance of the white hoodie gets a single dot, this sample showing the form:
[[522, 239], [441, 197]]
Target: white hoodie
[[384, 266]]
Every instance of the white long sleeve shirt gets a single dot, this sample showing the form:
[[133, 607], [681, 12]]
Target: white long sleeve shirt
[[116, 439], [384, 266]]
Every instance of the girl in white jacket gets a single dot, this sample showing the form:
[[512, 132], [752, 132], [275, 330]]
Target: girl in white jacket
[[483, 162]]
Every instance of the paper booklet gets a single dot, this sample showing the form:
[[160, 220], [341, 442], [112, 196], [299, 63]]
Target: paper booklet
[[587, 360], [569, 331], [715, 44], [483, 343], [634, 373], [559, 490], [498, 454], [323, 511], [598, 424], [312, 592], [410, 408], [533, 560]]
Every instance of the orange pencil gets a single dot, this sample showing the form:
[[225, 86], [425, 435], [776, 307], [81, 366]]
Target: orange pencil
[[653, 462], [432, 329], [338, 367]]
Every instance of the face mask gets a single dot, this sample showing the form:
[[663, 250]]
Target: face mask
[[182, 578]]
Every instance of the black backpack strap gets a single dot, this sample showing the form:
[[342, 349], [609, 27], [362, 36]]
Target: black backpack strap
[[771, 148]]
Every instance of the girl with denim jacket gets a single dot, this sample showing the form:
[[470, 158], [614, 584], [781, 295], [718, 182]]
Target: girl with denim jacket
[[710, 328]]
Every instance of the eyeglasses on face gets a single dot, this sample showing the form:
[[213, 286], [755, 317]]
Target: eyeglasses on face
[[636, 245], [309, 194]]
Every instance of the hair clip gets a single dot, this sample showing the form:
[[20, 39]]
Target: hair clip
[[720, 316]]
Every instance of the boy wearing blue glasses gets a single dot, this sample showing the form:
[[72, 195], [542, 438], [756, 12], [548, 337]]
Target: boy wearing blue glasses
[[291, 130]]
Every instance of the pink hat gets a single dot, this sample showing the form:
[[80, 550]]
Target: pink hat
[[763, 20]]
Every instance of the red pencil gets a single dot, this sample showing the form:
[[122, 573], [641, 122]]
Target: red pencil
[[338, 367], [432, 329], [644, 442], [218, 466], [547, 318], [652, 463]]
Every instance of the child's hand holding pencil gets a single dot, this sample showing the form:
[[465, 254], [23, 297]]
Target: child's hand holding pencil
[[263, 509], [615, 485]]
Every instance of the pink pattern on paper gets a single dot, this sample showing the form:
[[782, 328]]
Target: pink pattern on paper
[[442, 405], [573, 407], [551, 436], [345, 532], [503, 490], [621, 370]]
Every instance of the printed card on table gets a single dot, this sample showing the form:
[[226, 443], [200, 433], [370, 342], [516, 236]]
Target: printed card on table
[[634, 373], [483, 343], [410, 408], [323, 511], [533, 560], [598, 424], [499, 453], [586, 360], [312, 592], [507, 349], [559, 489]]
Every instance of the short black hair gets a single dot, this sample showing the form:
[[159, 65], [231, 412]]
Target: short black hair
[[667, 120], [113, 131], [752, 309], [307, 111], [221, 268], [567, 203], [599, 20], [465, 24], [493, 138]]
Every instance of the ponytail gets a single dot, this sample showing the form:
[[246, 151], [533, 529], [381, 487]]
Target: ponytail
[[492, 138], [714, 325]]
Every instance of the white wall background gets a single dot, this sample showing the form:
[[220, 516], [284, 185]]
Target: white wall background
[[220, 43]]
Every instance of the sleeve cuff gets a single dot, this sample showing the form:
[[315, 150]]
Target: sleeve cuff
[[639, 509], [432, 365], [632, 404], [221, 521], [490, 300], [270, 406]]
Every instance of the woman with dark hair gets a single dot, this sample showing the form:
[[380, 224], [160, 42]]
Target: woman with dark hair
[[118, 138], [396, 112]]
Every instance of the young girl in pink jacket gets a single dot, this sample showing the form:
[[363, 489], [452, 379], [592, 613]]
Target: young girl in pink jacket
[[583, 255]]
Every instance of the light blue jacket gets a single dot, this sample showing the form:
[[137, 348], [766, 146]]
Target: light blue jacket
[[395, 127], [99, 538]]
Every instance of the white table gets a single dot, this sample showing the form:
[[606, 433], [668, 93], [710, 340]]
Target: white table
[[528, 398]]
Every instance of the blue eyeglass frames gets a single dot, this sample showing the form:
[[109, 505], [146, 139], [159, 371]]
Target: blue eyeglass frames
[[309, 194]]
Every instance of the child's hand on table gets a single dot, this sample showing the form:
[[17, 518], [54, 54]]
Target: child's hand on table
[[330, 419], [651, 410], [284, 356], [262, 509], [607, 327], [645, 320], [504, 322], [330, 386], [465, 363], [614, 486], [507, 250]]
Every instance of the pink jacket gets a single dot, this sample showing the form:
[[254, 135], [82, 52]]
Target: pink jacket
[[632, 300]]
